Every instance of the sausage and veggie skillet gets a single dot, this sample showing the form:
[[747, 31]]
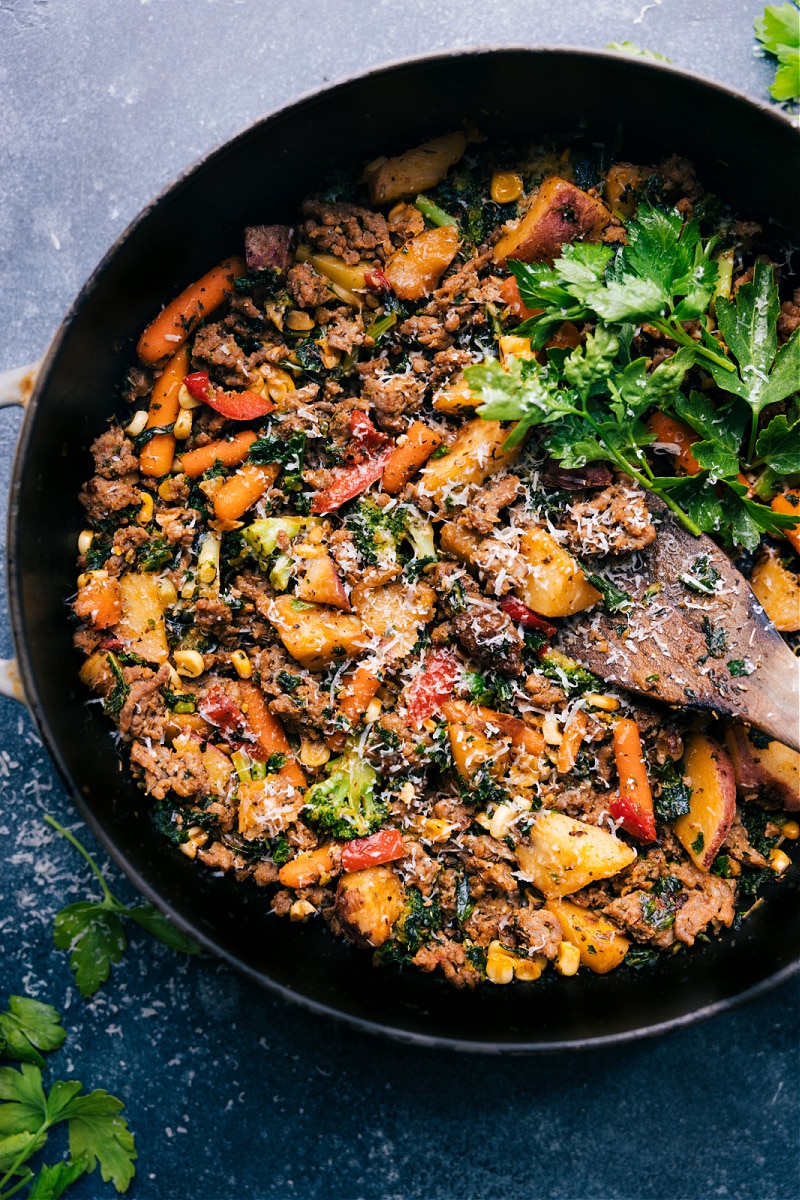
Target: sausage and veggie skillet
[[373, 469]]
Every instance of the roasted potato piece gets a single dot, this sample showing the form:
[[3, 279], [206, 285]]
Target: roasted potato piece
[[560, 213], [456, 396], [141, 626], [708, 770], [601, 945], [774, 768], [555, 585], [96, 673], [219, 768], [316, 635], [398, 610], [778, 590], [416, 170], [320, 583], [624, 183], [98, 602], [564, 855], [415, 269], [471, 750], [344, 275], [475, 453], [368, 903]]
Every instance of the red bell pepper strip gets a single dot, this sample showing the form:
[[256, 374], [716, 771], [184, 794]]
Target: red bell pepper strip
[[368, 453], [428, 691], [381, 847], [634, 818], [520, 613], [221, 712], [237, 406]]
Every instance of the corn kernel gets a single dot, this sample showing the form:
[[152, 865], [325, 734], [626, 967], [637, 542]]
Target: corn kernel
[[165, 490], [241, 664], [431, 829], [175, 681], [189, 663], [91, 577], [301, 910], [568, 959], [330, 358], [277, 382], [300, 321], [604, 703], [779, 861], [187, 400], [506, 187], [529, 969], [791, 830], [516, 347], [167, 592], [407, 794], [197, 838], [373, 711], [145, 513], [499, 964], [313, 754], [137, 423], [85, 539], [183, 424]]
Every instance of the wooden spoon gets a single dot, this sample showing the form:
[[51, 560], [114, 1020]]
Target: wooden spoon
[[696, 635]]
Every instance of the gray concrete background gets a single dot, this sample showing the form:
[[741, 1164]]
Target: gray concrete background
[[231, 1092]]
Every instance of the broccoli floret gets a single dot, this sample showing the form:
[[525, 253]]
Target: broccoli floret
[[382, 535], [344, 804], [465, 195], [572, 677]]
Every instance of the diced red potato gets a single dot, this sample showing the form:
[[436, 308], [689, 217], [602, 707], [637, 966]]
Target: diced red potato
[[415, 269], [554, 586], [475, 453], [368, 903], [141, 626], [777, 589], [560, 212], [601, 945], [708, 770], [416, 170], [320, 584], [772, 768], [565, 855]]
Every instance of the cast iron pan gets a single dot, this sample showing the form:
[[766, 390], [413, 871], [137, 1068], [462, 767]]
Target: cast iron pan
[[745, 152]]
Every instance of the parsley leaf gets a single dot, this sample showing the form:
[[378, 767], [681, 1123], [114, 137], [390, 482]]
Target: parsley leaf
[[635, 51], [98, 1134], [778, 30], [93, 932], [778, 445], [52, 1182], [525, 392], [28, 1027]]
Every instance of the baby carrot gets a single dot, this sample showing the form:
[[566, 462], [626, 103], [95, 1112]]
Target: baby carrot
[[228, 451], [269, 731], [634, 805], [155, 457], [358, 691], [243, 489], [789, 502], [182, 315], [313, 866], [571, 742], [407, 459], [675, 433]]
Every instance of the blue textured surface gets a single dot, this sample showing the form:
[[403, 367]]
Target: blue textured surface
[[231, 1092]]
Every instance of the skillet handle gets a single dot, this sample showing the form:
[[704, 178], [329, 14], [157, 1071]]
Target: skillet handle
[[17, 385]]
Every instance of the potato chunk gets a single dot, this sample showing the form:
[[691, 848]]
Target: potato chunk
[[601, 945], [415, 269], [708, 770], [772, 768], [417, 169], [555, 585], [314, 635], [368, 903], [396, 611], [565, 855], [778, 590], [560, 213], [141, 627], [475, 454]]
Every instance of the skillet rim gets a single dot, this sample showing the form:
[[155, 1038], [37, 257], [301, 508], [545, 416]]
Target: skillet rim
[[17, 617]]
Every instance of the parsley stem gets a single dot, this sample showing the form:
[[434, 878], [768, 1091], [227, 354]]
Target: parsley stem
[[24, 1154], [65, 833], [675, 331]]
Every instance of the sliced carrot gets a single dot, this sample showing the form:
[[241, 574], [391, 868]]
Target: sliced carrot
[[270, 733], [675, 433], [789, 502], [249, 484], [635, 805], [486, 720], [313, 866], [419, 445], [358, 691], [99, 603], [571, 742], [179, 319], [155, 457], [228, 451]]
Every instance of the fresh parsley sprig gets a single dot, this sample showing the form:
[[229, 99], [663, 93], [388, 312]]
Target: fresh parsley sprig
[[778, 30], [93, 931], [97, 1132]]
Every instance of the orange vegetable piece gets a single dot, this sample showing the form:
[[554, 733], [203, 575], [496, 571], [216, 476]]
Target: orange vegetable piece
[[561, 212], [789, 502], [237, 494], [313, 866], [180, 318], [99, 603], [415, 269], [637, 812], [228, 451], [509, 292], [268, 730], [572, 741], [674, 433], [155, 457], [358, 691], [407, 459]]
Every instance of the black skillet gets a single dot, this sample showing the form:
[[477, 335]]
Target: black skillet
[[745, 152]]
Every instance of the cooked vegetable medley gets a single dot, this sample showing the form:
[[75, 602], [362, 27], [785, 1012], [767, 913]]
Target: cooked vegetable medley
[[373, 469]]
